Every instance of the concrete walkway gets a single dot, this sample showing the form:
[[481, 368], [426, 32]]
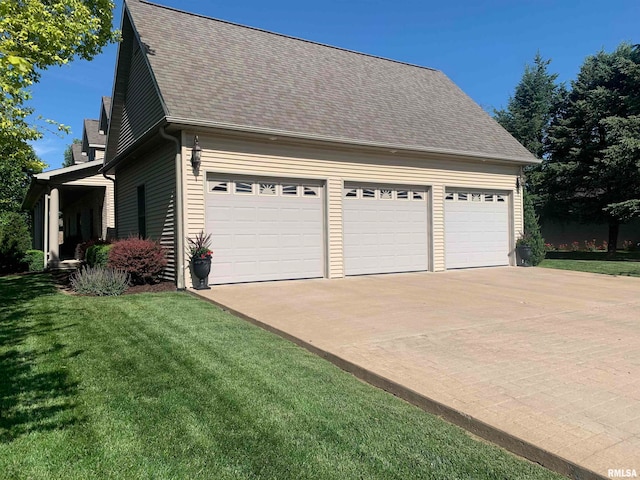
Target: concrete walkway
[[545, 356]]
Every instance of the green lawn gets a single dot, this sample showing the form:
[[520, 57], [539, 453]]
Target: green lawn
[[627, 268], [168, 386]]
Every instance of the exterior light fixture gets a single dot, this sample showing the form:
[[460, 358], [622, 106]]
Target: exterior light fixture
[[196, 154], [518, 184]]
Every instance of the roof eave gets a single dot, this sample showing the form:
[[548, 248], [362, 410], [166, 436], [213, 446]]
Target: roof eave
[[187, 122]]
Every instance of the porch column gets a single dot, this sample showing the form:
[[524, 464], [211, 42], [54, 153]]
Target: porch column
[[54, 240]]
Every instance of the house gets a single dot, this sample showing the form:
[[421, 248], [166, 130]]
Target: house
[[74, 204], [302, 160]]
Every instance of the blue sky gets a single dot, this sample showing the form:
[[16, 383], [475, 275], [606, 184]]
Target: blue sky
[[482, 45]]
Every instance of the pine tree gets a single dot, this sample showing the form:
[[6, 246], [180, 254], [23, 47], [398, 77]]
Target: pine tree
[[593, 173]]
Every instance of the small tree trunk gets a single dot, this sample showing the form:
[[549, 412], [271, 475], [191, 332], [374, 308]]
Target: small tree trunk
[[614, 229]]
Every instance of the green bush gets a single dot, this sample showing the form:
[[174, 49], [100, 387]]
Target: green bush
[[15, 240], [34, 259], [98, 255], [532, 231], [100, 281]]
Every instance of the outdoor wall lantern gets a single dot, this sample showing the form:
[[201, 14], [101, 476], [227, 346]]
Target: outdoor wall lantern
[[196, 154], [518, 184]]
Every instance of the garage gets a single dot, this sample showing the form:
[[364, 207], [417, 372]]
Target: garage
[[476, 229], [385, 229], [264, 228]]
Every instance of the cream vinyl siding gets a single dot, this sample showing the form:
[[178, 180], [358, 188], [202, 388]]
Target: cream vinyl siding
[[156, 171], [274, 158]]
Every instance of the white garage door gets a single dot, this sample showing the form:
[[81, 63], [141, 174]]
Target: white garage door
[[264, 229], [476, 229], [385, 229]]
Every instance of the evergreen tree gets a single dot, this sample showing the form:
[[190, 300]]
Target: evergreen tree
[[593, 173], [530, 109], [532, 233]]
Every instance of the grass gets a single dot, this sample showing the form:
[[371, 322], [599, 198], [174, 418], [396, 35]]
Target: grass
[[168, 386], [608, 267]]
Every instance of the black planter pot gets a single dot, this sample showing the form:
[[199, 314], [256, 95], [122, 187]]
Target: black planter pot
[[201, 268], [523, 255]]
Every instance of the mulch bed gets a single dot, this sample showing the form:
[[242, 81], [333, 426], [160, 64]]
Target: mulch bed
[[61, 279]]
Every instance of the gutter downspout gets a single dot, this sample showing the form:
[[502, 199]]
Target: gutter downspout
[[177, 209], [115, 204]]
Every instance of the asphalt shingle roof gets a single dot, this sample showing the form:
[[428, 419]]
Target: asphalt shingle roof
[[76, 153], [94, 137], [106, 101], [214, 71]]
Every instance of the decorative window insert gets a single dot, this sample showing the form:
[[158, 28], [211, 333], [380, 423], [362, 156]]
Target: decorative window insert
[[310, 191], [290, 190], [244, 187], [386, 194], [462, 197], [267, 189], [402, 194], [500, 198], [450, 197], [488, 197], [368, 193], [218, 186], [417, 195], [351, 193], [476, 197]]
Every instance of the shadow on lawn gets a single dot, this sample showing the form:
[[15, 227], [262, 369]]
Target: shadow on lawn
[[36, 393]]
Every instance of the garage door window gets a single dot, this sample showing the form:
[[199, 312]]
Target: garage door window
[[368, 193], [384, 193], [291, 190], [219, 186], [474, 197], [244, 187], [310, 191]]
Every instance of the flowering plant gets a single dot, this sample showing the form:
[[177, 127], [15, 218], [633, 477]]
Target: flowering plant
[[523, 240], [199, 246]]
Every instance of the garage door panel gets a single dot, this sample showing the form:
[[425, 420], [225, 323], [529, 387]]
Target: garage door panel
[[258, 237], [476, 232], [382, 234]]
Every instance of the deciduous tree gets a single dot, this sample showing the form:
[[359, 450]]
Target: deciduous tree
[[38, 34]]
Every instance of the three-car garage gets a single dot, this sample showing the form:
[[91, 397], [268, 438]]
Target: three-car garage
[[269, 228]]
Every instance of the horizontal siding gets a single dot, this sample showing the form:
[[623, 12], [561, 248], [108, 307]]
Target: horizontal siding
[[108, 211], [437, 198], [334, 228], [224, 155], [156, 172], [97, 180], [142, 107]]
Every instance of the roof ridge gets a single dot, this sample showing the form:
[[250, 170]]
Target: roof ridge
[[291, 37]]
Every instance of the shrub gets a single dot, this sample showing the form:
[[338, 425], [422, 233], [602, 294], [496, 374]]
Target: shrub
[[82, 248], [98, 255], [34, 259], [532, 231], [15, 240], [143, 259], [99, 281]]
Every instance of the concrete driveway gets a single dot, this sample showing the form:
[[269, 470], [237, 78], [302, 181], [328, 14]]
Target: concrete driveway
[[548, 357]]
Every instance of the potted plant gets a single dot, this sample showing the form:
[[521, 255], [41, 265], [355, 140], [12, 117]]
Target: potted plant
[[200, 253], [523, 250]]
